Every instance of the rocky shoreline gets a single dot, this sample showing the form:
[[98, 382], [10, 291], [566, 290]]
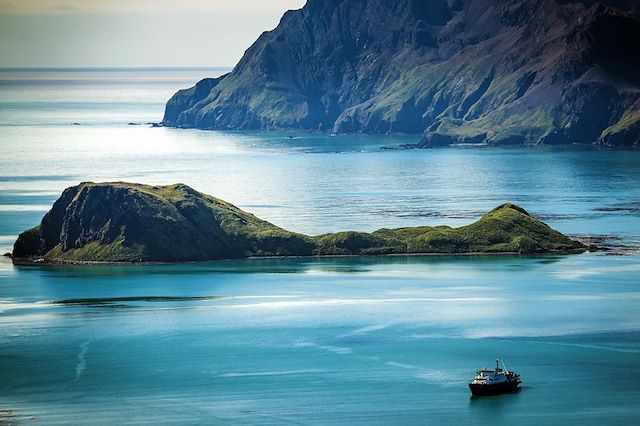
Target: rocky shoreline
[[59, 262]]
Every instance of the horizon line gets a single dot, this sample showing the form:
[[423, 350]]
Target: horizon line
[[117, 68]]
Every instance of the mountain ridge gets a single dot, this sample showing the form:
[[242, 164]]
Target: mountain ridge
[[457, 71]]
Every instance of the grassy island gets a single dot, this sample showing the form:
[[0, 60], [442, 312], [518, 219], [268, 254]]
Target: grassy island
[[128, 222]]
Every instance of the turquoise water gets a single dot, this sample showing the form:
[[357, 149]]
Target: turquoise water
[[369, 340]]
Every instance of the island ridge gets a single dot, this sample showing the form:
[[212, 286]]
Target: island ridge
[[129, 222]]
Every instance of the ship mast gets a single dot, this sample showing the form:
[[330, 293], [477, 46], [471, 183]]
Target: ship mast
[[497, 363]]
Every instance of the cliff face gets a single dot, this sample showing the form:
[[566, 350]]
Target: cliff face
[[125, 222], [474, 71]]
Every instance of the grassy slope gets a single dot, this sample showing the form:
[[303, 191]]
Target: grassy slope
[[628, 125], [170, 223], [177, 223], [507, 228]]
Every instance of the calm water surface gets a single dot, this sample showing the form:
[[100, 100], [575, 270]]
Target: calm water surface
[[370, 340]]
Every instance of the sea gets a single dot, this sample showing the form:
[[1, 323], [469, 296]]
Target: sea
[[368, 340]]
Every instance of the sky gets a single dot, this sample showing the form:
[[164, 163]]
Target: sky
[[133, 33]]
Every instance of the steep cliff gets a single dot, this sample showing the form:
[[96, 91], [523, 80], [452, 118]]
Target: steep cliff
[[126, 222], [458, 71]]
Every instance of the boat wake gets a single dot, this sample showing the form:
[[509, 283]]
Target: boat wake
[[82, 361]]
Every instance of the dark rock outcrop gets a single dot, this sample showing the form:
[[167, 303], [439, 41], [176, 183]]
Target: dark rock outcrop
[[125, 222], [459, 71]]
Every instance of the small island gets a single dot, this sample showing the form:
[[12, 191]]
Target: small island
[[121, 222]]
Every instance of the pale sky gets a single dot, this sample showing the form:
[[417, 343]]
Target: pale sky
[[133, 33]]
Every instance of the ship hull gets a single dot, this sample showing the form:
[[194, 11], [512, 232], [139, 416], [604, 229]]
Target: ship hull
[[494, 389]]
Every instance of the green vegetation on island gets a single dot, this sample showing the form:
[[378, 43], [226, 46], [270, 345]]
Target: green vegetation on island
[[127, 222]]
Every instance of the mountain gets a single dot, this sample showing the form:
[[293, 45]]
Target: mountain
[[128, 222], [496, 72]]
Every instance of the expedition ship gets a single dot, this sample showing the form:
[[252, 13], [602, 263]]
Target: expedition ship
[[494, 382]]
